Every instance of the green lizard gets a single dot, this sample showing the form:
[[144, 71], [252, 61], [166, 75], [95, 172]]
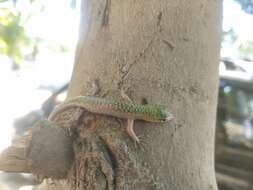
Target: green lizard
[[120, 109]]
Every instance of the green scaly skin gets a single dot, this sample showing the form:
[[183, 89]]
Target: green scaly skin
[[120, 109]]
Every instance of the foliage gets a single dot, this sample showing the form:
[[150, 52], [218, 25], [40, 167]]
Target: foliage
[[232, 37], [15, 18], [229, 36], [247, 5], [245, 48], [14, 41], [12, 34]]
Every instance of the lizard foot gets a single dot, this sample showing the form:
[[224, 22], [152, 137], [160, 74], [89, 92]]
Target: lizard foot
[[141, 144]]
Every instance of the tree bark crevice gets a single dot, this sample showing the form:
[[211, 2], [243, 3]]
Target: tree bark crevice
[[106, 13]]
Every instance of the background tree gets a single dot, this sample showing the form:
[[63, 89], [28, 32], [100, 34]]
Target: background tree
[[247, 5], [237, 39], [12, 35], [18, 40]]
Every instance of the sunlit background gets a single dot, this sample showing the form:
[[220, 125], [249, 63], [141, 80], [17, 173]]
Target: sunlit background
[[37, 46]]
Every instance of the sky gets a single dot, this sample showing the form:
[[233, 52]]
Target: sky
[[58, 24], [235, 17]]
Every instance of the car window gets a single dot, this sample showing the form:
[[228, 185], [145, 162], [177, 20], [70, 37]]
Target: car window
[[235, 108]]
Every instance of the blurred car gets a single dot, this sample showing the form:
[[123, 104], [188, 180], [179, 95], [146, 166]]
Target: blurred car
[[22, 124], [234, 128], [14, 181]]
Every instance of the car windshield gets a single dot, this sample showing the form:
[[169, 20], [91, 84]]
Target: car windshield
[[236, 110]]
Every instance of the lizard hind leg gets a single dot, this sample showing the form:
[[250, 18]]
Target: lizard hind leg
[[130, 130]]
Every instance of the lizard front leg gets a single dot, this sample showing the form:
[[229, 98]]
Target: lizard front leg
[[130, 130], [125, 96]]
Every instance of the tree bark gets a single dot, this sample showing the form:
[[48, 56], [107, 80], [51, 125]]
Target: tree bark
[[157, 51], [163, 52]]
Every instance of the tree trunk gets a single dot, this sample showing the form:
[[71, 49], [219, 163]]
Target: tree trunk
[[156, 51], [162, 52]]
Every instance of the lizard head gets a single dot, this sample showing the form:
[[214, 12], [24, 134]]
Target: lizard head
[[160, 114]]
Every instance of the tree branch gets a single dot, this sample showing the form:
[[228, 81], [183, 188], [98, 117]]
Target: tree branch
[[46, 151]]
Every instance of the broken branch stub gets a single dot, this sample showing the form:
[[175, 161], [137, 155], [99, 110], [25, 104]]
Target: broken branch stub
[[46, 150]]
